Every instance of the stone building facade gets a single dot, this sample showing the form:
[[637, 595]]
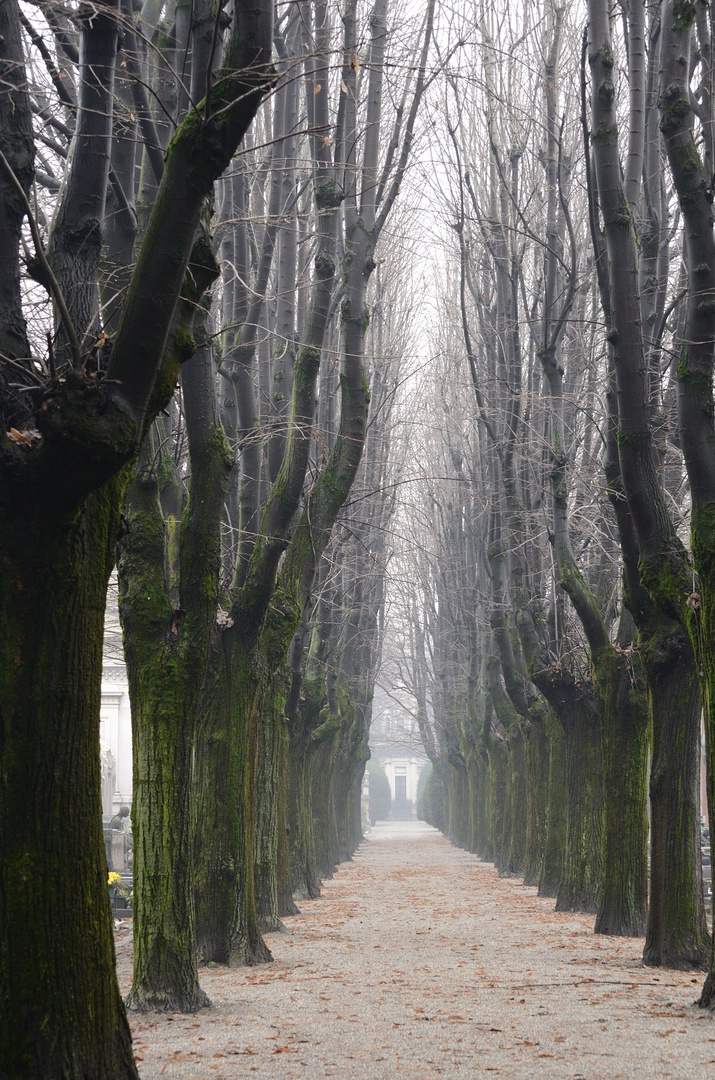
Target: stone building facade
[[396, 744]]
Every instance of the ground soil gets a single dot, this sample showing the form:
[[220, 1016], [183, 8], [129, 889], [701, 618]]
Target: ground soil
[[419, 961]]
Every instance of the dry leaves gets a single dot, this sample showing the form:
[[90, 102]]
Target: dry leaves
[[467, 967]]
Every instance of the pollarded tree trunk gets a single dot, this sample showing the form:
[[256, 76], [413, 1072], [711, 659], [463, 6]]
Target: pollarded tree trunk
[[557, 686], [165, 975], [60, 494], [455, 811], [354, 804], [677, 934], [536, 743], [665, 570], [314, 733], [349, 731], [693, 184], [169, 581], [227, 923], [498, 762], [270, 806], [343, 778], [286, 904], [499, 751], [51, 626], [322, 764], [555, 841], [167, 649], [475, 789], [347, 781], [576, 783], [217, 786], [481, 804], [516, 794], [580, 885], [617, 702], [303, 718], [301, 851], [624, 893]]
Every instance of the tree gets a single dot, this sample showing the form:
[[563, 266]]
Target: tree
[[676, 934], [60, 491], [691, 170]]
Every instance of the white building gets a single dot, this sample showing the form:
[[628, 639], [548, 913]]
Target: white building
[[115, 718], [115, 739], [396, 744]]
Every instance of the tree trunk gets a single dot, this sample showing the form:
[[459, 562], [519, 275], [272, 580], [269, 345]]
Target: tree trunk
[[165, 975], [286, 904], [270, 818], [664, 565], [483, 839], [62, 1014], [536, 746], [322, 767], [498, 763], [554, 845], [227, 926], [677, 934], [693, 184], [517, 796], [60, 514], [580, 885], [301, 853], [624, 895]]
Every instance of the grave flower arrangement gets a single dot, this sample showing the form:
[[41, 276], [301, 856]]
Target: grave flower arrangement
[[118, 891]]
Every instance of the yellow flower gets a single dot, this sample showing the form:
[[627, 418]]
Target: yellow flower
[[113, 878]]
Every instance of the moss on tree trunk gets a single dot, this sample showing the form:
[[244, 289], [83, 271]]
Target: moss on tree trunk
[[555, 840], [458, 828], [61, 1013], [227, 926], [301, 853], [479, 802], [676, 934], [623, 900], [270, 805], [580, 885], [515, 842], [498, 764], [322, 766], [166, 647], [537, 792]]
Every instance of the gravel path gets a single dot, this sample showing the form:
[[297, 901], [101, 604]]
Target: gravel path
[[419, 961]]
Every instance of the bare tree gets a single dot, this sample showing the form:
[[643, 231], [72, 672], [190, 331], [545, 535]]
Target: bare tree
[[62, 478]]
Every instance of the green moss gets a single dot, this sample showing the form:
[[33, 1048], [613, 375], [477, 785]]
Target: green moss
[[604, 133], [604, 55], [675, 110], [53, 592], [328, 195], [624, 216], [683, 14], [690, 161]]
